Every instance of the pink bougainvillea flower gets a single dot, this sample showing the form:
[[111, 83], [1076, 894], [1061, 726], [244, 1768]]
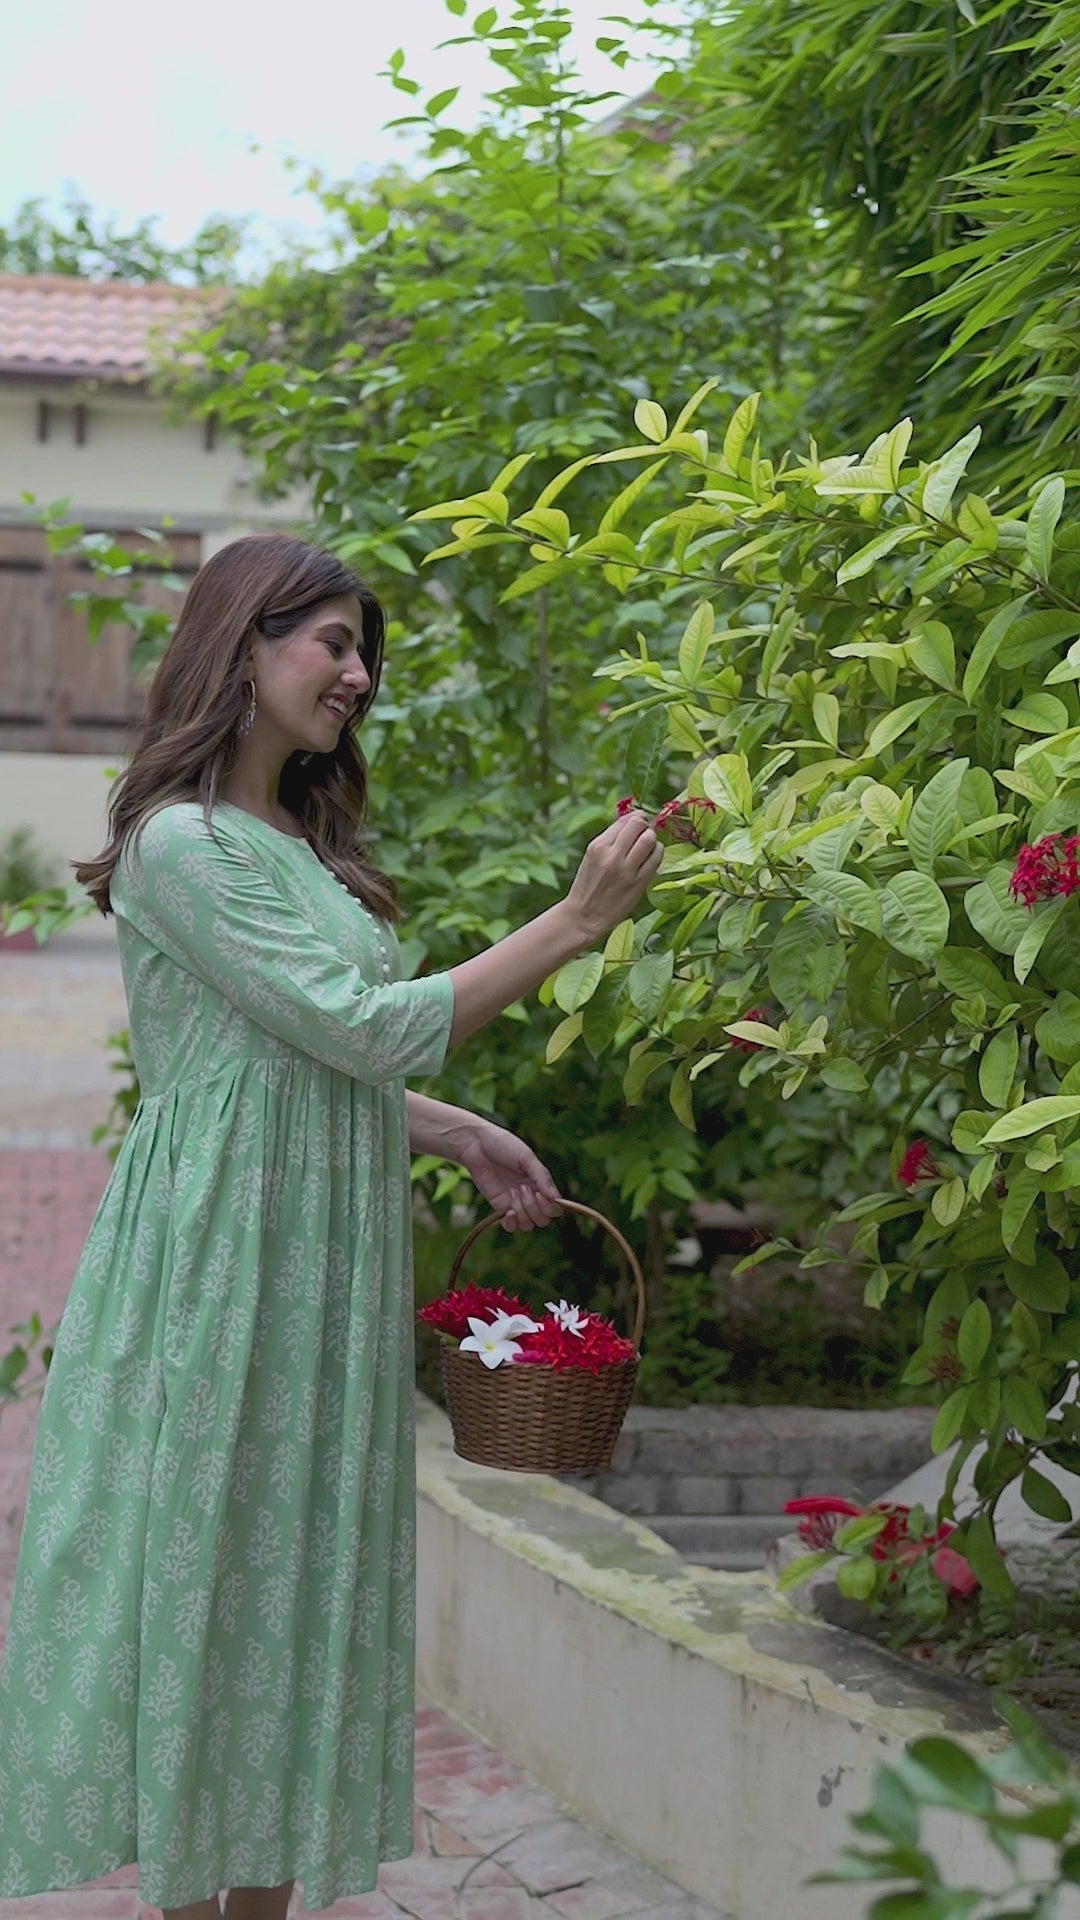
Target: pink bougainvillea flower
[[626, 805], [1046, 869], [917, 1164], [760, 1015]]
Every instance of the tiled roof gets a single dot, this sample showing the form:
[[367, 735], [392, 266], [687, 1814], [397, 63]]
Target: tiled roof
[[61, 327]]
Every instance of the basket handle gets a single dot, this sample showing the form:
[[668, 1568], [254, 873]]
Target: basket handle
[[574, 1206]]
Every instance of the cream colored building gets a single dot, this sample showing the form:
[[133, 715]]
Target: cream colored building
[[78, 421]]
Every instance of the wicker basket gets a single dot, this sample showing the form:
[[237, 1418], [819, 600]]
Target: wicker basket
[[539, 1419]]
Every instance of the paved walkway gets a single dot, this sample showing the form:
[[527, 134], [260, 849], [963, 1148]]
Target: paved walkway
[[490, 1843]]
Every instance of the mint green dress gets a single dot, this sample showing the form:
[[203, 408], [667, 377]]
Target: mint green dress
[[208, 1667]]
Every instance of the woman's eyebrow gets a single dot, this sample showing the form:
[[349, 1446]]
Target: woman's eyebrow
[[338, 627]]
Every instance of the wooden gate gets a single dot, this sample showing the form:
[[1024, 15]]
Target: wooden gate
[[59, 693]]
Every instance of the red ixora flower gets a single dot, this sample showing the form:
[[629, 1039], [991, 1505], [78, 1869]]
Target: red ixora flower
[[595, 1347], [451, 1313], [823, 1514], [917, 1164], [760, 1016], [1046, 869], [674, 817]]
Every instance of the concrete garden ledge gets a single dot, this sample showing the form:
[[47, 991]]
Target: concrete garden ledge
[[694, 1716]]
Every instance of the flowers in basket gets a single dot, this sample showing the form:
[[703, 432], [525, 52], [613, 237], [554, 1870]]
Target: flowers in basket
[[501, 1331]]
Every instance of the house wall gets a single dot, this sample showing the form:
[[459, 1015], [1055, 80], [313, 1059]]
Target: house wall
[[134, 469]]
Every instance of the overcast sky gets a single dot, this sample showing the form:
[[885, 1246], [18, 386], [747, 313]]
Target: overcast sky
[[155, 110]]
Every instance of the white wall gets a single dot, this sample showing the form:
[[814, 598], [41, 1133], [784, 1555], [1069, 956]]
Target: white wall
[[62, 797], [134, 467]]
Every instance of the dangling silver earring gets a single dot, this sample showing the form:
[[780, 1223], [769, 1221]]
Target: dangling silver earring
[[304, 758], [247, 720]]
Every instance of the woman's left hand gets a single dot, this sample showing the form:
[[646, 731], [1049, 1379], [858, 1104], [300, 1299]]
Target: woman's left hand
[[510, 1177]]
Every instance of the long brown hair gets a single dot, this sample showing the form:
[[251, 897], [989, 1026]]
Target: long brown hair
[[267, 583]]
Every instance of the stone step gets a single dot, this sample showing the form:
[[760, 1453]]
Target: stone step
[[693, 1535], [733, 1561]]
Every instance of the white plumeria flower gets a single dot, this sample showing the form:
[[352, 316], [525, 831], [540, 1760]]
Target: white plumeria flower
[[570, 1319], [494, 1340]]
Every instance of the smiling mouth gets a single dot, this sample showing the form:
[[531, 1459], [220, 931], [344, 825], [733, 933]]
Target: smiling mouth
[[338, 707]]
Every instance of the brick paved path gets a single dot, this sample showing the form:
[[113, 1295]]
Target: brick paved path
[[491, 1844]]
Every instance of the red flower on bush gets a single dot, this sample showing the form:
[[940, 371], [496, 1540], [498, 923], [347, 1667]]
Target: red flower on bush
[[917, 1164], [673, 815], [823, 1514], [452, 1312], [1046, 869], [672, 818], [760, 1015]]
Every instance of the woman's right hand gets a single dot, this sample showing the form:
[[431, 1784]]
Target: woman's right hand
[[615, 871]]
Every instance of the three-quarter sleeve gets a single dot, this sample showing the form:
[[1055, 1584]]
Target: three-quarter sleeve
[[202, 899]]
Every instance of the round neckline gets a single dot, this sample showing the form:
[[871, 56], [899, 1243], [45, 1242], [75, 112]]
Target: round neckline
[[282, 833]]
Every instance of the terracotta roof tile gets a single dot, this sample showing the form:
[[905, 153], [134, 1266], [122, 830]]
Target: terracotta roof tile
[[54, 325]]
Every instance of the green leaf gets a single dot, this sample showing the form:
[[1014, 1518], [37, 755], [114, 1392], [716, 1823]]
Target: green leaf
[[806, 960], [801, 1569], [1044, 1498], [979, 1548], [845, 895], [826, 710], [947, 1202], [645, 756], [648, 981], [577, 981], [856, 1579], [997, 1068], [738, 432], [1042, 519], [931, 652], [694, 645], [935, 815], [984, 652], [944, 473], [564, 1036], [846, 1076], [915, 916], [941, 1773], [894, 724], [619, 945], [1057, 1031], [1025, 1185], [1041, 925], [965, 971], [950, 1420], [1032, 1117], [680, 1097], [727, 782], [638, 1072], [875, 550], [859, 1531], [995, 913], [973, 1339], [1039, 713], [1023, 1404], [1044, 1287], [650, 420]]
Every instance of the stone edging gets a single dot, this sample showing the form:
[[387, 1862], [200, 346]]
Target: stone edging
[[694, 1716]]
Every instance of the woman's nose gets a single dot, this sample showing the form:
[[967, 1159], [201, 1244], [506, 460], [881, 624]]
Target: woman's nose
[[357, 676]]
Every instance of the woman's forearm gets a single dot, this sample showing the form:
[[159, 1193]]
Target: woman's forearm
[[437, 1127], [490, 982]]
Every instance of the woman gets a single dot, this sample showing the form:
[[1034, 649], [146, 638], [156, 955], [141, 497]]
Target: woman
[[209, 1661]]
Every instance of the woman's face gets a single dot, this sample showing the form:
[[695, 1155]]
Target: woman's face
[[308, 684]]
